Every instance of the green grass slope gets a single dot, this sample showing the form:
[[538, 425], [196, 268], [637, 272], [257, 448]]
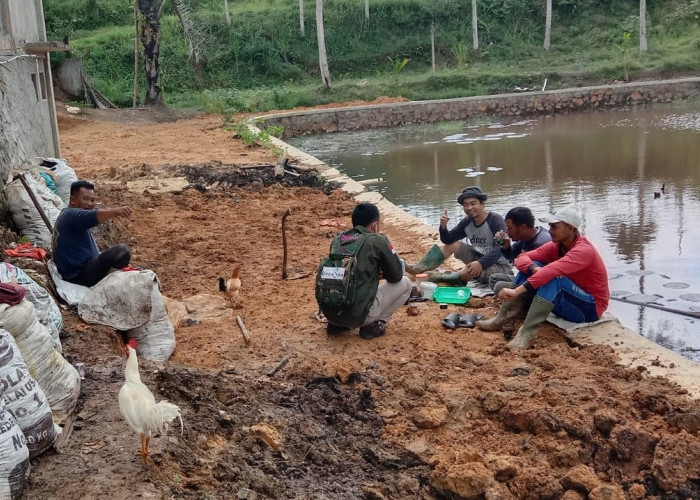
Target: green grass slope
[[262, 61]]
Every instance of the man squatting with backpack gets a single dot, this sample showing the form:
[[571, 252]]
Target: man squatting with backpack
[[371, 304]]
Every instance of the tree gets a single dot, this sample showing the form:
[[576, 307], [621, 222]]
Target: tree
[[321, 37], [475, 27], [367, 10], [642, 25], [548, 25], [432, 44], [192, 35], [228, 15], [301, 18], [150, 38]]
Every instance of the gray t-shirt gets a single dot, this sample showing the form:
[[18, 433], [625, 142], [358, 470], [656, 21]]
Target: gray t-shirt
[[480, 237]]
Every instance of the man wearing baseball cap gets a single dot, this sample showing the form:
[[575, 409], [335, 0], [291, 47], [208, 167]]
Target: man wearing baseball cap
[[482, 255], [567, 277]]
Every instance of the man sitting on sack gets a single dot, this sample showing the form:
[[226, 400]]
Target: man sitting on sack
[[352, 297], [75, 252], [565, 276], [482, 254]]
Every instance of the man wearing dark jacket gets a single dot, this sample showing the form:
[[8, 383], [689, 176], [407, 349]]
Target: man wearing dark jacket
[[481, 254], [374, 303], [75, 252]]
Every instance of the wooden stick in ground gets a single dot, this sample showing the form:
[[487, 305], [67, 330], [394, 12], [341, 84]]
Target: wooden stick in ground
[[244, 330], [278, 366], [284, 243]]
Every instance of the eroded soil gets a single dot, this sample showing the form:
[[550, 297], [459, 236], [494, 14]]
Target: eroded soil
[[422, 412]]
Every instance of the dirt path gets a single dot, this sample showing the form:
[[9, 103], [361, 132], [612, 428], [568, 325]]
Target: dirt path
[[420, 413]]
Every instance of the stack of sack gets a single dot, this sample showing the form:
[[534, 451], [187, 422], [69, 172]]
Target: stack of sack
[[47, 311], [50, 180], [37, 385], [59, 380]]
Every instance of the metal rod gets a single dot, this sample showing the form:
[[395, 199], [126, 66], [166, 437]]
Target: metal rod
[[660, 307], [35, 201]]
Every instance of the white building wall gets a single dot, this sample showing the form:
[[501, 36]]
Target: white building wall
[[25, 21], [25, 119], [27, 116]]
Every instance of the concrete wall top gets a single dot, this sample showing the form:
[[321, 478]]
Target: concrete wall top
[[511, 104]]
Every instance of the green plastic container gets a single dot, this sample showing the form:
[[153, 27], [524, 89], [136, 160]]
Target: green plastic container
[[452, 294]]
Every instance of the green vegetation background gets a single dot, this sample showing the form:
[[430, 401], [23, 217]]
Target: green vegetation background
[[262, 62]]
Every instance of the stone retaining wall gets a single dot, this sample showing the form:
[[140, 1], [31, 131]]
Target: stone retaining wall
[[502, 105]]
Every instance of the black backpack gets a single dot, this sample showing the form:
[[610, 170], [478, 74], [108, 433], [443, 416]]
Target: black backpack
[[336, 277]]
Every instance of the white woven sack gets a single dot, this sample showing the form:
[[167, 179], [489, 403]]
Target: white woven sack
[[14, 456], [47, 310], [24, 213], [56, 376], [24, 399], [156, 339], [121, 300], [65, 176]]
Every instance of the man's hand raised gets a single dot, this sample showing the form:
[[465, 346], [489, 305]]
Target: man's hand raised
[[104, 214]]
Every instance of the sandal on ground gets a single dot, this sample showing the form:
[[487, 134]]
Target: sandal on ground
[[469, 320], [451, 321]]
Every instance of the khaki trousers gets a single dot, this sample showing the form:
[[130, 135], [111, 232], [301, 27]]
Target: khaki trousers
[[390, 296]]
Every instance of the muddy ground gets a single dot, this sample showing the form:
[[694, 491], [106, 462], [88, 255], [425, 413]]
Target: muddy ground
[[422, 412]]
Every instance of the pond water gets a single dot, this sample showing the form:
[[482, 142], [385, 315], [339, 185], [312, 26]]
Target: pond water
[[634, 175]]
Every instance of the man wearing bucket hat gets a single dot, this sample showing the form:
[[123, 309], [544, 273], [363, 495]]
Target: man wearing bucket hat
[[482, 255], [566, 275]]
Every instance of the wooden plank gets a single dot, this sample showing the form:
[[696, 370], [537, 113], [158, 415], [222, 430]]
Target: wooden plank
[[278, 366], [63, 438], [244, 330], [44, 47]]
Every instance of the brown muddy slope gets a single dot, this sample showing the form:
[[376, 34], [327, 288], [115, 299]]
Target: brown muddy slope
[[420, 413]]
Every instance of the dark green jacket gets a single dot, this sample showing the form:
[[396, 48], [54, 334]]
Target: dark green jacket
[[376, 255]]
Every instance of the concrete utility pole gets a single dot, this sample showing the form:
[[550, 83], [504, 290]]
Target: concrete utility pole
[[367, 10]]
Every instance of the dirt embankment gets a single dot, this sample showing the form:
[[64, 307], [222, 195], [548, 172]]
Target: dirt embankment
[[420, 413]]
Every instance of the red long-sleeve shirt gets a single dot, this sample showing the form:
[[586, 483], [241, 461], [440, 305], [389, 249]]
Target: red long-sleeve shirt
[[582, 264]]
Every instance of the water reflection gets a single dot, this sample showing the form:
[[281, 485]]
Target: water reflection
[[608, 164]]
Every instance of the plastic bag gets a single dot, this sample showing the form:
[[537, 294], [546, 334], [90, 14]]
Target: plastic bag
[[24, 399], [65, 176], [56, 376], [47, 311], [121, 300], [156, 339], [14, 456], [24, 213]]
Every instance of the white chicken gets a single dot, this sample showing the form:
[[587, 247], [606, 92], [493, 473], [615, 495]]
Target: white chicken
[[138, 405]]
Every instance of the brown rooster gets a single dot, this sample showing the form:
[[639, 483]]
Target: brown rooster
[[232, 286]]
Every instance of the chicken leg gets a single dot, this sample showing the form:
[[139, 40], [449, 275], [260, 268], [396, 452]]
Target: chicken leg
[[143, 451]]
